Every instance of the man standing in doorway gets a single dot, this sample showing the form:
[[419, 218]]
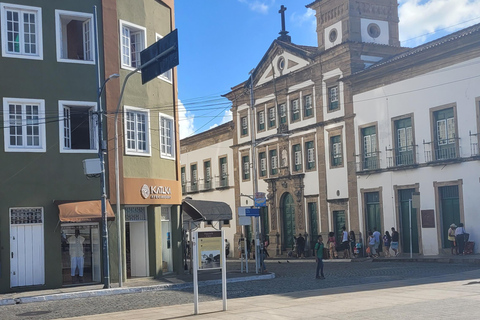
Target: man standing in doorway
[[377, 236], [76, 254]]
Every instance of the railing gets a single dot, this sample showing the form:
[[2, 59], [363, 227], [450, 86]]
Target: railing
[[403, 156], [193, 187], [474, 143], [370, 161], [207, 185], [184, 188], [444, 151], [221, 182]]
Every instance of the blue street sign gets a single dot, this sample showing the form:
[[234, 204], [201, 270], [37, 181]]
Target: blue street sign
[[261, 202], [165, 63], [252, 212]]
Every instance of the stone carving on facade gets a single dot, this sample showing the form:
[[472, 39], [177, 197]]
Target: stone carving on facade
[[368, 8], [284, 158], [332, 14], [272, 206]]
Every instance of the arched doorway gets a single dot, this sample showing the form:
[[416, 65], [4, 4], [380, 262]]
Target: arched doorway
[[288, 215]]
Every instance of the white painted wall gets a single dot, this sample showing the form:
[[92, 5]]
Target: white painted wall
[[459, 84]]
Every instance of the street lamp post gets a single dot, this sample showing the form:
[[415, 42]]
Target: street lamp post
[[101, 153]]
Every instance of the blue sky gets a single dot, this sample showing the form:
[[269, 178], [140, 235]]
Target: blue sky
[[220, 41]]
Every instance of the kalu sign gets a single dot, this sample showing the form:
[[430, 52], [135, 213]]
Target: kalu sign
[[156, 192]]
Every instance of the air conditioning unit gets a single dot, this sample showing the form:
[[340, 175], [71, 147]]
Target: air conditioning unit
[[92, 166]]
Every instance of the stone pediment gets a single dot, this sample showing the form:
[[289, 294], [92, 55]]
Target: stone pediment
[[280, 59]]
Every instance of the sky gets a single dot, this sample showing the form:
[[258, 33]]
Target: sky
[[220, 41]]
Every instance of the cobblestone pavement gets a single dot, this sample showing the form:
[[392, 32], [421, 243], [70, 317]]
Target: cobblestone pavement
[[296, 275]]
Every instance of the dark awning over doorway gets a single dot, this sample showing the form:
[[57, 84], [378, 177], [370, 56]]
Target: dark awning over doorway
[[83, 211], [202, 210]]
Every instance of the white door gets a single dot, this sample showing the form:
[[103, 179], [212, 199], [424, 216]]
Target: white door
[[27, 255], [167, 260], [138, 249]]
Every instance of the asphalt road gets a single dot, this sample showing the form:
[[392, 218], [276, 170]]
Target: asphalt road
[[297, 275]]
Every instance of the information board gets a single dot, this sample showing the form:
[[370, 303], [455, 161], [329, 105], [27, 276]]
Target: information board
[[210, 249]]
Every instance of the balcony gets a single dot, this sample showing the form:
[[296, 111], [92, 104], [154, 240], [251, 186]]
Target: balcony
[[369, 161], [403, 156], [474, 144], [442, 150], [207, 185], [221, 182]]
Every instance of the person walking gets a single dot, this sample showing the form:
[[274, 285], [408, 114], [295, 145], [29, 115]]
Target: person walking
[[300, 246], [319, 258], [227, 248], [377, 235], [460, 238], [394, 243], [332, 245], [345, 244], [352, 240], [451, 238], [387, 239], [371, 245]]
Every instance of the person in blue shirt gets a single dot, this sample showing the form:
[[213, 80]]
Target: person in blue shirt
[[319, 258]]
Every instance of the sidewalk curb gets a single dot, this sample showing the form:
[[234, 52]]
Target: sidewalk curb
[[118, 291]]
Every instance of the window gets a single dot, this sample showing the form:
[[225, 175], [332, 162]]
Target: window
[[77, 126], [313, 219], [74, 36], [310, 151], [167, 137], [246, 167], [370, 159], [261, 121], [193, 177], [223, 172], [21, 28], [137, 131], [445, 136], [133, 39], [297, 154], [273, 162], [295, 110], [307, 105], [207, 174], [262, 159], [271, 117], [336, 151], [167, 75], [183, 176], [283, 113], [404, 142], [333, 98], [24, 125], [244, 121]]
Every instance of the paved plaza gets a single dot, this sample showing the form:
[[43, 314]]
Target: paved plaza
[[351, 290]]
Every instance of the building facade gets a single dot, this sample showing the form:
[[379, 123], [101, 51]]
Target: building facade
[[50, 114], [329, 152]]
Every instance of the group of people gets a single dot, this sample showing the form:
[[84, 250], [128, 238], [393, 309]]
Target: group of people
[[389, 242], [458, 237]]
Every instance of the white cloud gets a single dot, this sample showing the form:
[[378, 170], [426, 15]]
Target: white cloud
[[259, 6], [185, 121], [420, 18], [227, 116]]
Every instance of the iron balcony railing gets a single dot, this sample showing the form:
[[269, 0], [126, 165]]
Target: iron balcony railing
[[221, 181], [442, 150], [368, 161], [403, 156]]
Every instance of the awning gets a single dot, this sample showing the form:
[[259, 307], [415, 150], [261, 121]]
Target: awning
[[83, 211], [202, 210]]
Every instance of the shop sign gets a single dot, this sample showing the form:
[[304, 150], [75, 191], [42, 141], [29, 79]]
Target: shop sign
[[156, 192]]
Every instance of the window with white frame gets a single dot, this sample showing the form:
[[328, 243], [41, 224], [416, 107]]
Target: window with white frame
[[297, 153], [333, 98], [295, 110], [273, 162], [336, 151], [246, 167], [283, 113], [309, 147], [307, 105], [167, 137], [133, 40], [244, 121], [24, 125], [21, 31], [167, 75], [261, 120], [74, 36], [263, 164], [271, 117], [77, 126], [370, 159], [137, 131]]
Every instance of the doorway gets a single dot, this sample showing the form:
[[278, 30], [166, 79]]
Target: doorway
[[404, 196], [27, 255], [167, 253], [339, 222], [136, 237], [449, 209], [288, 210]]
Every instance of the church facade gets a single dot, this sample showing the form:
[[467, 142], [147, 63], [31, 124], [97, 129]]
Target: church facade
[[324, 131]]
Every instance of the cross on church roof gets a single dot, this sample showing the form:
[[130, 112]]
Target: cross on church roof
[[283, 33]]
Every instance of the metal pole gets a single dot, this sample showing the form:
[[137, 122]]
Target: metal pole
[[254, 168], [410, 221], [224, 274], [195, 273], [117, 169], [106, 264]]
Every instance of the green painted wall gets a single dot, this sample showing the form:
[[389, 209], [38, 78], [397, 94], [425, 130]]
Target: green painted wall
[[36, 179]]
